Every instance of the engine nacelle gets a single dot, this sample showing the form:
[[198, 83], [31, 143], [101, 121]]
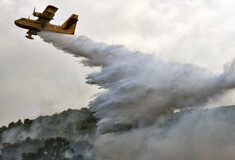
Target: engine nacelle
[[37, 14]]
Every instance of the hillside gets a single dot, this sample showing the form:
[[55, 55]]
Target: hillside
[[67, 135], [71, 135]]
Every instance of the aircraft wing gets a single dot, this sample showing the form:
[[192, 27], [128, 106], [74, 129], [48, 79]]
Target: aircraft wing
[[47, 15]]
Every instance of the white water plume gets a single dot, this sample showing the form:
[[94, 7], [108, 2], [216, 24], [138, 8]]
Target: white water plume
[[141, 89]]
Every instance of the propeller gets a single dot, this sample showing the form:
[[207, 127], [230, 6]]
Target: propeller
[[34, 10]]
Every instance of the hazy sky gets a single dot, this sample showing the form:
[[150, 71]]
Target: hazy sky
[[37, 79]]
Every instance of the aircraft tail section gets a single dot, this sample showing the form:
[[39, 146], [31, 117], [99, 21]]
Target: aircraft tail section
[[70, 24]]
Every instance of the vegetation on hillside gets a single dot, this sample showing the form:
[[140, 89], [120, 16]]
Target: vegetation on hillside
[[65, 136]]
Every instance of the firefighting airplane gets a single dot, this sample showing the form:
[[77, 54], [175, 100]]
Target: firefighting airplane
[[42, 23]]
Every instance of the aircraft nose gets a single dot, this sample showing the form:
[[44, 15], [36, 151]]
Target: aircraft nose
[[17, 22]]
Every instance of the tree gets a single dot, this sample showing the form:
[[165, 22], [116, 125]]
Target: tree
[[54, 149]]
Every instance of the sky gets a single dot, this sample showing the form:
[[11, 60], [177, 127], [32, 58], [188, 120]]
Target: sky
[[37, 79]]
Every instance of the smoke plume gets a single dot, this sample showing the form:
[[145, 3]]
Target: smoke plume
[[195, 135], [140, 89]]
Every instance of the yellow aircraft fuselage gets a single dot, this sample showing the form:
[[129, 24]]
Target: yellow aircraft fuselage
[[36, 26], [42, 23]]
